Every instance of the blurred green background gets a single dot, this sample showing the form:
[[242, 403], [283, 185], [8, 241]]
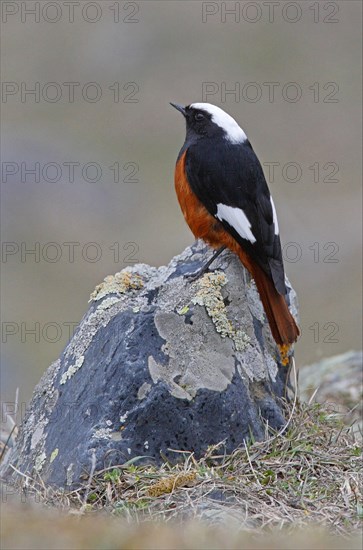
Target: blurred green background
[[159, 52]]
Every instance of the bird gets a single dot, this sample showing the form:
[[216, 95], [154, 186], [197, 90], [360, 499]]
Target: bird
[[225, 200]]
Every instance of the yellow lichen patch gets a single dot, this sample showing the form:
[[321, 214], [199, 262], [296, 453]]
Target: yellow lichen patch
[[284, 354], [183, 310], [120, 283], [168, 484], [210, 296], [54, 455]]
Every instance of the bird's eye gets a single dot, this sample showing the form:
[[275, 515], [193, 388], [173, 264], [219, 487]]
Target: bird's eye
[[199, 117]]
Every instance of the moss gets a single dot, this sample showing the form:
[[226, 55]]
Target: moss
[[168, 484], [210, 296]]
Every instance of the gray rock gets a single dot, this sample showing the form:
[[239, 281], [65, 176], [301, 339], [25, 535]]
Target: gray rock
[[157, 364]]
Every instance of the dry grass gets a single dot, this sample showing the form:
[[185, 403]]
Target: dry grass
[[309, 475], [298, 489]]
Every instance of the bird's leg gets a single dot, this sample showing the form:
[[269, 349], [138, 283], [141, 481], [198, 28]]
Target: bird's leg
[[194, 276]]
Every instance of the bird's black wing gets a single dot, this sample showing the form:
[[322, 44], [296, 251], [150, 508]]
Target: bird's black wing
[[230, 183]]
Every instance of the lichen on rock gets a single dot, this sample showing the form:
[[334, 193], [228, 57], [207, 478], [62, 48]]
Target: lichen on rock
[[120, 283], [72, 369], [210, 296]]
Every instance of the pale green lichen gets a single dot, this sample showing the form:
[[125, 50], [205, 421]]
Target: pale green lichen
[[143, 390], [38, 434], [120, 283], [123, 417], [210, 296], [102, 433], [116, 436], [70, 474], [39, 462], [241, 339], [54, 455], [72, 370], [109, 302]]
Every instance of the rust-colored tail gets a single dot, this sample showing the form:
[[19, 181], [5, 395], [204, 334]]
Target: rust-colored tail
[[283, 326]]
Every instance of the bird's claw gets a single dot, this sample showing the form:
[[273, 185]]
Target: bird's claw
[[192, 277]]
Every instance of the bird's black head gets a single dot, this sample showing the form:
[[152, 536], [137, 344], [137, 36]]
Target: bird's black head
[[206, 120]]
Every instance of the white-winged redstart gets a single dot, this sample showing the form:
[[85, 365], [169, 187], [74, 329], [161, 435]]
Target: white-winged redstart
[[226, 202]]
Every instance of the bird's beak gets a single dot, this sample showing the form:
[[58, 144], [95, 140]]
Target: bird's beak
[[179, 108]]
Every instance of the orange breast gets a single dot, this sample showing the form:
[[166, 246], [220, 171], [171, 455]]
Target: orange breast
[[201, 222]]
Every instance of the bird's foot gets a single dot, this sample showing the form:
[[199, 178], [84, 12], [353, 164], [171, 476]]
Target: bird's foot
[[192, 277], [205, 268]]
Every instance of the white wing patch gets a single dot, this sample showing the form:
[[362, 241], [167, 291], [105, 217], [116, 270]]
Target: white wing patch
[[234, 132], [276, 223], [236, 219]]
